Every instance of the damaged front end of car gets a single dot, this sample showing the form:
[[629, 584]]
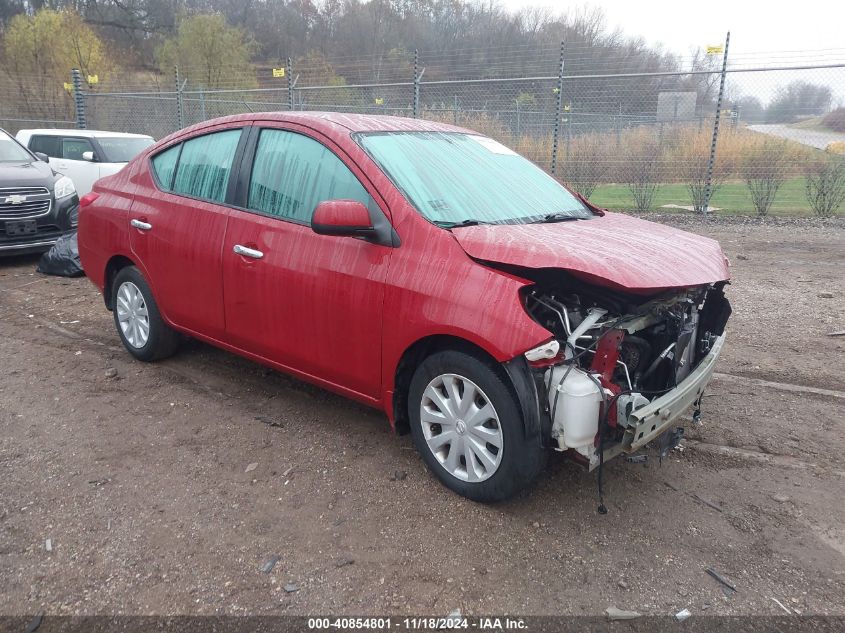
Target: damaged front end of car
[[622, 368]]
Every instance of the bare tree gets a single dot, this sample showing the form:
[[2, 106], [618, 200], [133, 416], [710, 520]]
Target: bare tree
[[642, 169], [799, 99], [826, 185], [587, 164], [764, 170]]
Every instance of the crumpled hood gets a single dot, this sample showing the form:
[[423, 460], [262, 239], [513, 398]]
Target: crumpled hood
[[614, 250]]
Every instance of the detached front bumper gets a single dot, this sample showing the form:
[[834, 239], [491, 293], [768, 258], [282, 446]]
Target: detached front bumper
[[654, 419]]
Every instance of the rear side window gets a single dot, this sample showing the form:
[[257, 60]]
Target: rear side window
[[205, 164], [73, 148], [293, 173], [50, 145], [164, 166]]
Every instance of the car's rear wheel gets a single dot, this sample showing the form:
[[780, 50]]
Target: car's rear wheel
[[144, 333], [466, 424]]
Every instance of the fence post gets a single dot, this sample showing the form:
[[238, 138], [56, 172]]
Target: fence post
[[180, 110], [78, 99], [556, 136], [708, 187], [290, 84], [619, 126], [416, 107]]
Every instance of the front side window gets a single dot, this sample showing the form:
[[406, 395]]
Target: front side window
[[293, 173], [73, 148], [164, 166], [452, 178], [205, 164]]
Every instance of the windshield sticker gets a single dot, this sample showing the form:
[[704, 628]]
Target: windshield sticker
[[493, 146]]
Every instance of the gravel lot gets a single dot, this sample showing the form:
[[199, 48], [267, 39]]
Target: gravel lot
[[164, 488]]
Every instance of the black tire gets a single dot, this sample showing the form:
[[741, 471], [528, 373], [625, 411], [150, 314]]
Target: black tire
[[162, 340], [521, 459]]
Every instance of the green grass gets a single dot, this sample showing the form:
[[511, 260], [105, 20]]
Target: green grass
[[732, 198], [815, 124]]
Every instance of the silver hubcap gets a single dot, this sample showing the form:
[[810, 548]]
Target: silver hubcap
[[132, 314], [461, 428]]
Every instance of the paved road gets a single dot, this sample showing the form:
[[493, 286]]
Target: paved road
[[813, 138]]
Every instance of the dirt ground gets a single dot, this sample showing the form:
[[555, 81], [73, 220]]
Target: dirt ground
[[164, 488]]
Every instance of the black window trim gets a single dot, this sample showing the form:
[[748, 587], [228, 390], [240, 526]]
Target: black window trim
[[246, 131], [92, 141], [386, 234]]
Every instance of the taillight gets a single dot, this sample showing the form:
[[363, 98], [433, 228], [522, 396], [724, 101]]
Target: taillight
[[87, 199]]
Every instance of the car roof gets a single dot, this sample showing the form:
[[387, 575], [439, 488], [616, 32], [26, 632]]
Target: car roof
[[82, 133], [360, 122], [329, 122]]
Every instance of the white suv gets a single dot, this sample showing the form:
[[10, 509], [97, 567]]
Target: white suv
[[85, 156]]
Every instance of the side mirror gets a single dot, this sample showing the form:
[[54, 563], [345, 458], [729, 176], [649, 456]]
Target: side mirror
[[342, 218], [42, 157], [89, 156]]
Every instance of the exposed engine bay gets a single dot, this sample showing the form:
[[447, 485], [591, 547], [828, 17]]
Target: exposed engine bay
[[618, 361]]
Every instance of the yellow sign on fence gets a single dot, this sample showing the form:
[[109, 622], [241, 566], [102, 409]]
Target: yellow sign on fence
[[715, 50], [68, 87], [379, 101], [93, 79], [278, 72]]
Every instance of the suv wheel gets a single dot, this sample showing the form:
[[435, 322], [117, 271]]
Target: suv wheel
[[144, 333], [466, 424]]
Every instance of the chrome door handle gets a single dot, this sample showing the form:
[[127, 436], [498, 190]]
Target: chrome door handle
[[138, 224], [247, 252]]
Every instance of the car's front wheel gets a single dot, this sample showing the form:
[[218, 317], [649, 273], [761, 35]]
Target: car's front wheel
[[144, 333], [466, 424]]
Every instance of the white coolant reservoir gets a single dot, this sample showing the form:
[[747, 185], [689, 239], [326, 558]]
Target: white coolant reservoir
[[576, 415]]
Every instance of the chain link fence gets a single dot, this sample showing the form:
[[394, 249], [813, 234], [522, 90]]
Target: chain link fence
[[748, 135]]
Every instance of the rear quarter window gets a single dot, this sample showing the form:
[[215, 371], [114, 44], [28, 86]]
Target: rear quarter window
[[164, 166], [50, 145]]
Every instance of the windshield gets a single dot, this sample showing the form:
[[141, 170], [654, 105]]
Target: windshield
[[122, 150], [11, 152], [453, 178]]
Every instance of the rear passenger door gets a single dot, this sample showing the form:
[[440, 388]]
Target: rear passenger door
[[177, 225], [310, 302]]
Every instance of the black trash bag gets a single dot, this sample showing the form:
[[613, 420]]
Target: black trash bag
[[62, 259]]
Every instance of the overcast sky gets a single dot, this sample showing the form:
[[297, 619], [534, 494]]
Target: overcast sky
[[790, 34], [755, 25]]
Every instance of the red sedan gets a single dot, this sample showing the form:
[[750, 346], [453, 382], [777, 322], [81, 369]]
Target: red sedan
[[420, 268]]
